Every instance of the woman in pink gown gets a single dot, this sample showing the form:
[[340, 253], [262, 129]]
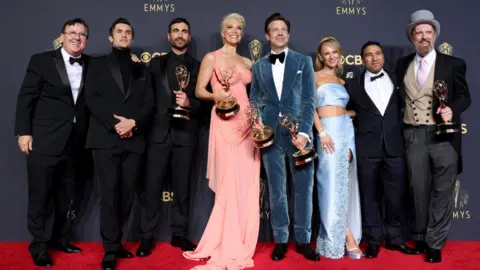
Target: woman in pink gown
[[233, 171]]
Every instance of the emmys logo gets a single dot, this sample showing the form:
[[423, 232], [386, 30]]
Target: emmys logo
[[445, 48], [255, 47], [352, 7], [147, 57], [159, 6], [460, 203], [57, 43], [352, 60], [264, 202]]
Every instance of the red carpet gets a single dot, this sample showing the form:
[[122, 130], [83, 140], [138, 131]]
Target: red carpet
[[456, 255]]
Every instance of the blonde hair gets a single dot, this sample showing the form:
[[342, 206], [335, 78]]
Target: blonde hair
[[332, 42], [234, 16]]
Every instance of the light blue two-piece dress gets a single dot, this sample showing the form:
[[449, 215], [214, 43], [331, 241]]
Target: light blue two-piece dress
[[337, 184]]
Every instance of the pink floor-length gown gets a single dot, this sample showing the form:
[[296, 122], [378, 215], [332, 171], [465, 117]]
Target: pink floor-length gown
[[231, 234]]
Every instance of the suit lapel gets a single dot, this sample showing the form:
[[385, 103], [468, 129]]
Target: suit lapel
[[440, 74], [163, 77], [289, 74], [394, 90], [267, 76], [84, 73], [406, 65], [61, 68], [439, 68], [365, 98], [115, 70]]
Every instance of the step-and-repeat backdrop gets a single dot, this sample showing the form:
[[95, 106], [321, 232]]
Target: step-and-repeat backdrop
[[32, 26]]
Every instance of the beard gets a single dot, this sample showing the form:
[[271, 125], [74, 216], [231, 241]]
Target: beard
[[179, 46], [424, 49]]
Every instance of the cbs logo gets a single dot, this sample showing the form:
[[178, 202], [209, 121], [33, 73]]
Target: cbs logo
[[351, 60], [147, 57]]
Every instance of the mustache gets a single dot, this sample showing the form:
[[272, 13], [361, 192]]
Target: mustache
[[180, 39], [423, 40]]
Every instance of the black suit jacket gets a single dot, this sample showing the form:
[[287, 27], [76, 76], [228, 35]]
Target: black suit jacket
[[373, 129], [105, 96], [45, 106], [184, 132], [452, 70]]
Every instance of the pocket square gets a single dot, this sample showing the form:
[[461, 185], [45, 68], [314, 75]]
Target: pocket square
[[299, 71]]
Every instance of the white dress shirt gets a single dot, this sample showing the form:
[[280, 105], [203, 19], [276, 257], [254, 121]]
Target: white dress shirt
[[429, 60], [380, 90], [74, 73], [278, 70]]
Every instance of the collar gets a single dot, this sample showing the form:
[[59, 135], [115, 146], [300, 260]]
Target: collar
[[284, 50], [66, 56], [369, 74], [429, 58]]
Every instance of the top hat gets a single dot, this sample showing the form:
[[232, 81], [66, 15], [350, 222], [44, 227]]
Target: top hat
[[420, 17]]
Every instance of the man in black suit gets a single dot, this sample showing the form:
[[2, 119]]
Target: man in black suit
[[51, 122], [118, 94], [433, 161], [170, 139], [377, 102]]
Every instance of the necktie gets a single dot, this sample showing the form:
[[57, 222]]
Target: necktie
[[421, 73], [78, 60], [274, 57], [376, 77]]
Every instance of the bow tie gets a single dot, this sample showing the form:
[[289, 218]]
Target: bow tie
[[376, 77], [274, 57], [78, 60]]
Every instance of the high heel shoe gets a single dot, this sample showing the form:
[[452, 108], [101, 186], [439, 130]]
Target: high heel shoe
[[354, 253]]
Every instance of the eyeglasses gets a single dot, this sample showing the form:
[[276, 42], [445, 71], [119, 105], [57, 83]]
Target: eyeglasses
[[75, 34]]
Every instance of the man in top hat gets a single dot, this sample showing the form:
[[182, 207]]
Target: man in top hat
[[433, 161]]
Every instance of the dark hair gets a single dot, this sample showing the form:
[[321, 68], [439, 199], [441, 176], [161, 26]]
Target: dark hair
[[178, 20], [371, 43], [276, 17], [73, 22], [123, 21]]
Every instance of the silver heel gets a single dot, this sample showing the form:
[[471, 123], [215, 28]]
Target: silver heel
[[354, 253]]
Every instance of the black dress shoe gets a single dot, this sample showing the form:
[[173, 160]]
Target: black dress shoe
[[308, 252], [123, 253], [433, 255], [421, 246], [372, 251], [42, 259], [279, 251], [145, 248], [66, 247], [109, 261], [183, 243], [403, 248]]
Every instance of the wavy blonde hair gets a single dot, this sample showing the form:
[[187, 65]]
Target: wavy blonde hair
[[332, 42], [234, 16]]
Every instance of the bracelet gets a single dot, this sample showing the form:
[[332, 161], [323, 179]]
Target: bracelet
[[322, 134]]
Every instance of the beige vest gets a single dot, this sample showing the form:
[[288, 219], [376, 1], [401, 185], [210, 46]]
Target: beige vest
[[418, 101]]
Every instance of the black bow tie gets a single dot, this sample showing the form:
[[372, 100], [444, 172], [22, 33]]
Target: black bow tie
[[376, 77], [274, 57], [78, 60]]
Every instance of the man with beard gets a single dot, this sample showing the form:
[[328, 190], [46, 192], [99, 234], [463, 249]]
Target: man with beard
[[433, 161], [171, 140], [119, 97], [51, 124]]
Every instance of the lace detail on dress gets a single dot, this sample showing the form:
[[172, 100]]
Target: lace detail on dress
[[334, 246]]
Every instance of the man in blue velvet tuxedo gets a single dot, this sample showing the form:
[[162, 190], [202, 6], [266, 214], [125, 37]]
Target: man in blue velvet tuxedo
[[284, 84]]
